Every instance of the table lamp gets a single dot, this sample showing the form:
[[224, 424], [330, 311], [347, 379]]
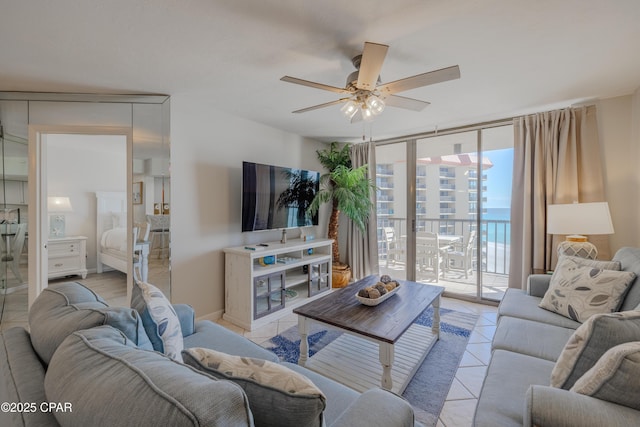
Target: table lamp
[[57, 206], [576, 220]]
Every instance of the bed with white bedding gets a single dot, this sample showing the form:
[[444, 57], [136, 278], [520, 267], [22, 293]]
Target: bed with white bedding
[[112, 236]]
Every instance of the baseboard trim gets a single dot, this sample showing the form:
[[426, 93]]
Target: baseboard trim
[[214, 317]]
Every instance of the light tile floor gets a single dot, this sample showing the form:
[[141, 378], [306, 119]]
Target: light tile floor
[[461, 401]]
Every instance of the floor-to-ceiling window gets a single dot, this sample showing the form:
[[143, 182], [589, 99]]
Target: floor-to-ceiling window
[[443, 210]]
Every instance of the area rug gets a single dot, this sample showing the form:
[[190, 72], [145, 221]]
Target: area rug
[[430, 385]]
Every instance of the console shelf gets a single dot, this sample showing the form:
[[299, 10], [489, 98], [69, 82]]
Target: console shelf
[[263, 283]]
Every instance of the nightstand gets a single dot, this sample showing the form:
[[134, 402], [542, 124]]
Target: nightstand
[[67, 256]]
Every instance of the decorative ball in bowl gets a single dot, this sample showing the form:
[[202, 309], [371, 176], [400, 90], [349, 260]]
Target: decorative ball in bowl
[[381, 291]]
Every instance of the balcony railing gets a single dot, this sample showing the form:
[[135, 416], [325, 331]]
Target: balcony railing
[[495, 237]]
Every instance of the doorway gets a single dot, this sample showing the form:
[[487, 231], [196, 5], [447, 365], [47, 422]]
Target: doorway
[[73, 163]]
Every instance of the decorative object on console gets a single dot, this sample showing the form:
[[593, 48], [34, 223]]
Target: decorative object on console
[[349, 190], [57, 206], [576, 220]]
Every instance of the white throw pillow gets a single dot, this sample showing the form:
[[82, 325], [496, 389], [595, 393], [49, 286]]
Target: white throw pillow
[[579, 291], [278, 396]]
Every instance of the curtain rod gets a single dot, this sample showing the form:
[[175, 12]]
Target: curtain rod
[[464, 128], [457, 129]]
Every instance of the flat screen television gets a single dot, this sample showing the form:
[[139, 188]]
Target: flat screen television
[[275, 197]]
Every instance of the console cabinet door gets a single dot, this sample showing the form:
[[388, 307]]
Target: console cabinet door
[[268, 294], [318, 278]]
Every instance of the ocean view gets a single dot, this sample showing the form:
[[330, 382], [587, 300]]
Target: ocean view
[[499, 232]]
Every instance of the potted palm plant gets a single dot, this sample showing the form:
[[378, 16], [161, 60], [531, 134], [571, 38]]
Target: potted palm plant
[[349, 191]]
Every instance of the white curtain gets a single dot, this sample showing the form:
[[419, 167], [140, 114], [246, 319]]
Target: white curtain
[[556, 160], [362, 248]]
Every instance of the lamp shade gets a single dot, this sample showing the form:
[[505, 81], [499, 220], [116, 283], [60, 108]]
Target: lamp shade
[[579, 218], [59, 204]]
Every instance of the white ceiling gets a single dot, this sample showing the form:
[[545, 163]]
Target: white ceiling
[[515, 56]]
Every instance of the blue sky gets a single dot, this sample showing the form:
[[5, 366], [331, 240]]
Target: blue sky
[[499, 178]]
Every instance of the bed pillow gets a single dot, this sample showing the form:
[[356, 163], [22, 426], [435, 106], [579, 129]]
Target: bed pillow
[[579, 291], [590, 341], [278, 396], [615, 377], [159, 318]]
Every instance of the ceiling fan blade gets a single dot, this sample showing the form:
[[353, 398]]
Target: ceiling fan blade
[[370, 65], [425, 79], [326, 104], [406, 103], [297, 81]]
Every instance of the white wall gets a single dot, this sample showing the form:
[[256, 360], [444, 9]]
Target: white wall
[[207, 150], [620, 159], [103, 168]]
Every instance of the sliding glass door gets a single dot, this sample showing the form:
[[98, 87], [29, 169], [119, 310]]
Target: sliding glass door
[[443, 210]]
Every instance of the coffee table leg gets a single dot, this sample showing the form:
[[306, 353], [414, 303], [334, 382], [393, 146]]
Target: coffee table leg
[[435, 328], [304, 342], [386, 359]]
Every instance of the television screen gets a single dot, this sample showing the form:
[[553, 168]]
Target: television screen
[[276, 197]]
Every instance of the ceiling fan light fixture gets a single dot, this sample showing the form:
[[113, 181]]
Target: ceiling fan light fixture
[[367, 113], [349, 109], [375, 104]]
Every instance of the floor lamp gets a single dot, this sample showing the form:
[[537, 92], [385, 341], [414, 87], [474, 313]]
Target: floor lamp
[[576, 220]]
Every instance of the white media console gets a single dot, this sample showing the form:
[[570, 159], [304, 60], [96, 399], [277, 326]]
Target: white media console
[[265, 282]]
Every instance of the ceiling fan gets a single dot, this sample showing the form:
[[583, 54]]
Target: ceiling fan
[[366, 96]]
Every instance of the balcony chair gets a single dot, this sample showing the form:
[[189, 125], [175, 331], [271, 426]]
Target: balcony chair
[[395, 249], [429, 254], [461, 257]]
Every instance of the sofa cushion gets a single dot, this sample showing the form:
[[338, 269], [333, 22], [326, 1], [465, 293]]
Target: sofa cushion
[[579, 291], [590, 341], [211, 335], [516, 303], [532, 338], [110, 382], [22, 380], [630, 261], [64, 308], [509, 376], [279, 397], [159, 318], [615, 377], [339, 397]]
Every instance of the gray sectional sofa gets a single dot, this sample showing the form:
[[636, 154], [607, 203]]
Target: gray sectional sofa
[[84, 363], [526, 347]]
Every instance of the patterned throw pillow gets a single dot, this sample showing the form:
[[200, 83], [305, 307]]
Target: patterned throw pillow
[[595, 263], [159, 319], [278, 396], [590, 341], [615, 377], [578, 291]]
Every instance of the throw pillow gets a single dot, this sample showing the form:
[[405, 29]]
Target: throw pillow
[[159, 319], [595, 263], [615, 377], [590, 341], [278, 396], [578, 291]]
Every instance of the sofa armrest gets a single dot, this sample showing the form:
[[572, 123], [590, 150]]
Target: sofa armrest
[[537, 284], [377, 407], [187, 318], [549, 406]]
